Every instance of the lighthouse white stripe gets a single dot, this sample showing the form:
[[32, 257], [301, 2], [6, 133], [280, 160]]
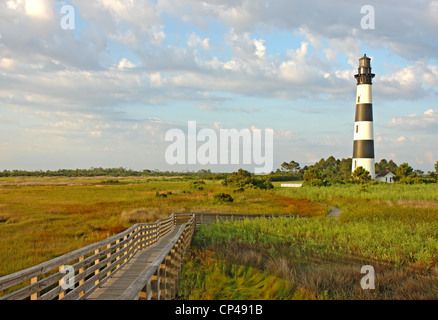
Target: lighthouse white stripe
[[363, 130], [364, 93]]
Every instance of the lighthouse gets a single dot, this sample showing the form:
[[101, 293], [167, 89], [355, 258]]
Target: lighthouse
[[363, 149]]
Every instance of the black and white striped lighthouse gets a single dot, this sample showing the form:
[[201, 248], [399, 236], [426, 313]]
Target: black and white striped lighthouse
[[363, 149]]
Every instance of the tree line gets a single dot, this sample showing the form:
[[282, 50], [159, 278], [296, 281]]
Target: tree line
[[324, 172], [98, 172], [330, 171]]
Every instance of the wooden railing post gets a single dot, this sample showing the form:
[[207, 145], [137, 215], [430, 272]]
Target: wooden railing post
[[179, 258], [81, 270], [126, 252], [155, 283], [168, 276], [162, 281], [97, 271], [109, 261], [172, 275], [145, 293], [36, 295], [60, 283]]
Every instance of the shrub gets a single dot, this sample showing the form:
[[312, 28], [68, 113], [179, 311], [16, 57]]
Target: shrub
[[360, 175], [243, 179], [160, 195], [197, 185], [313, 177], [223, 197], [110, 181]]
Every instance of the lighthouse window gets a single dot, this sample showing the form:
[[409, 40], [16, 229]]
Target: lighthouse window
[[358, 99], [357, 129]]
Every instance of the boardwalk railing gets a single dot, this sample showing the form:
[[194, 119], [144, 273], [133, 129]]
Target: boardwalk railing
[[76, 275], [160, 280]]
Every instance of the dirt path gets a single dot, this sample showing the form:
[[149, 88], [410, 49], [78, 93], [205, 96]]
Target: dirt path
[[334, 212]]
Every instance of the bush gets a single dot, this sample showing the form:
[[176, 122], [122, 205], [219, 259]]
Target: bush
[[223, 197], [243, 179], [197, 185], [109, 181], [313, 177], [412, 179], [160, 195], [360, 175]]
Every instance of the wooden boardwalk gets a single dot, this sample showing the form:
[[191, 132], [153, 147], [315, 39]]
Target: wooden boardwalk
[[114, 287], [143, 262]]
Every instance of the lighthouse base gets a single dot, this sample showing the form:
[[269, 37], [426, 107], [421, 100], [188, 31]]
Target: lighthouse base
[[367, 164]]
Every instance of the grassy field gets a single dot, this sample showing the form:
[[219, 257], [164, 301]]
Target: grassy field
[[393, 228], [42, 218]]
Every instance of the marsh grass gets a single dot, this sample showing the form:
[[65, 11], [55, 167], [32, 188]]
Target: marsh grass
[[394, 228], [42, 218], [303, 269]]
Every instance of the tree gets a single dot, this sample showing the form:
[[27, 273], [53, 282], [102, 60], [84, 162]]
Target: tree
[[345, 169], [292, 166], [383, 164], [361, 175], [313, 177], [404, 171], [436, 167]]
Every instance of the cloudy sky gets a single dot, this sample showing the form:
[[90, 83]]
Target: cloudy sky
[[104, 93]]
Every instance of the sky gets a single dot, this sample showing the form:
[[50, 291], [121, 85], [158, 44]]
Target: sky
[[104, 91]]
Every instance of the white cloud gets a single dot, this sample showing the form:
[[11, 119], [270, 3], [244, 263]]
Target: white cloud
[[260, 48], [7, 63], [38, 8], [427, 120], [404, 83], [125, 64], [195, 40], [401, 139], [96, 133], [155, 79]]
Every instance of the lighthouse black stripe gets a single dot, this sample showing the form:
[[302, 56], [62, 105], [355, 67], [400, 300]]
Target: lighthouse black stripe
[[364, 112], [363, 149]]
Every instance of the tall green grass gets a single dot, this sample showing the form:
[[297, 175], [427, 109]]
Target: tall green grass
[[390, 241], [392, 227], [208, 279], [380, 191]]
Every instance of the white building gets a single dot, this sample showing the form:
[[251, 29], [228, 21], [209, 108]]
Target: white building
[[386, 176]]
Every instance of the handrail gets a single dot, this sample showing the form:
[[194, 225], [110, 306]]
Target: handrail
[[175, 250], [47, 280]]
